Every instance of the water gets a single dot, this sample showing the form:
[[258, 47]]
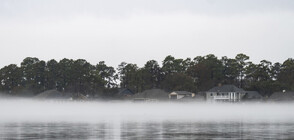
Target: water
[[53, 120], [146, 130]]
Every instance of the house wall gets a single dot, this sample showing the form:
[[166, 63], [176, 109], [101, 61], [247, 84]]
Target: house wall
[[179, 96], [172, 95], [224, 96]]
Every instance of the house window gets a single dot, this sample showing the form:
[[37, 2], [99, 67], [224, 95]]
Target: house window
[[211, 94], [173, 97]]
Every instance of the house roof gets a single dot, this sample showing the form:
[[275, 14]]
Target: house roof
[[125, 91], [253, 95], [226, 88], [182, 92], [52, 94], [153, 94], [282, 96]]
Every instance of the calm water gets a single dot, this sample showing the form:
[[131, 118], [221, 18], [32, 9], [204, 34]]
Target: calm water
[[147, 130], [23, 119]]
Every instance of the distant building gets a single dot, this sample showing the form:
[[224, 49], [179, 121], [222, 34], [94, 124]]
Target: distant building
[[180, 95], [80, 97], [225, 93], [53, 94], [200, 96], [282, 96], [125, 92], [140, 100], [157, 94], [252, 96]]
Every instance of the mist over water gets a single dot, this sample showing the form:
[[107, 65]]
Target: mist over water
[[22, 110], [23, 119]]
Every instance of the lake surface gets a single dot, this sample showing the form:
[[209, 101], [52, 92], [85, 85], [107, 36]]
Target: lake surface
[[24, 119], [147, 130]]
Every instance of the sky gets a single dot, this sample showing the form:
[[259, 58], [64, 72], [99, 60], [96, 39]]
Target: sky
[[136, 31]]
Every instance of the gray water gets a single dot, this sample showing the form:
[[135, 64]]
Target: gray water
[[25, 119], [147, 130]]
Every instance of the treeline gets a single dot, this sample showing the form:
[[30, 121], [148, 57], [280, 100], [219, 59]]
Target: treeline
[[198, 74], [75, 76]]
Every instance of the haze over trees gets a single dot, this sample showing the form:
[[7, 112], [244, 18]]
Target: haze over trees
[[198, 74]]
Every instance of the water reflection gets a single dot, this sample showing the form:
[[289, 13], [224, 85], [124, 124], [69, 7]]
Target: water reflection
[[147, 130]]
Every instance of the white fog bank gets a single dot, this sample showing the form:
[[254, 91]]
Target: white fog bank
[[63, 111]]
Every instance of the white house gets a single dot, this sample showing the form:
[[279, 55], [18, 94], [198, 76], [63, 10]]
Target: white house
[[180, 95], [225, 93]]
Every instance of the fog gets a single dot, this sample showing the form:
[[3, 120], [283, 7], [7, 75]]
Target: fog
[[68, 111], [138, 31]]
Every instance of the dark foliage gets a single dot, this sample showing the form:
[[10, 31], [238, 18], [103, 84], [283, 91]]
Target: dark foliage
[[198, 74]]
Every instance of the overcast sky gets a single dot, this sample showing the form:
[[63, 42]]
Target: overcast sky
[[136, 31]]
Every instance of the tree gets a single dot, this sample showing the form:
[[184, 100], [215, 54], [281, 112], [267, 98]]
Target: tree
[[275, 70], [250, 72], [286, 75], [65, 74], [10, 77], [207, 72], [33, 74], [264, 71], [81, 70], [152, 74], [107, 73], [199, 74], [258, 77], [179, 82], [27, 66], [242, 63], [128, 76], [230, 71], [52, 70], [171, 65]]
